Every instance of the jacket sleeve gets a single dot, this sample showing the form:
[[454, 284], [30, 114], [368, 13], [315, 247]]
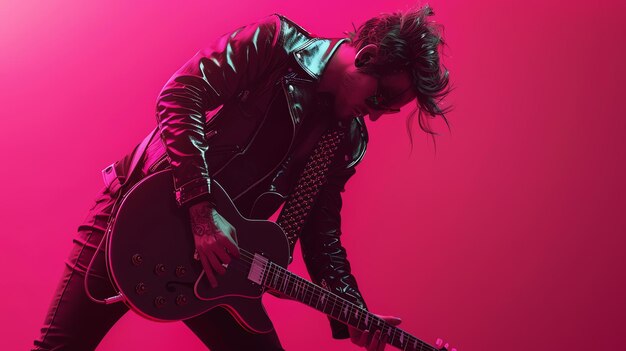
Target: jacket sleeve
[[320, 240], [206, 81]]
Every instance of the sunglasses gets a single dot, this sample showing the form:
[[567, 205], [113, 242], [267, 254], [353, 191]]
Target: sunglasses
[[380, 102]]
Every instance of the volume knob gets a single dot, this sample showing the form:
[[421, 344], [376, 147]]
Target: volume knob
[[137, 259], [159, 269], [140, 288], [181, 300], [159, 301], [180, 271]]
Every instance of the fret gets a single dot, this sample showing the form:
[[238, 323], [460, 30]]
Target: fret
[[268, 275], [310, 289], [284, 284], [359, 316], [278, 278], [275, 277], [302, 288], [290, 281], [332, 308], [345, 310], [320, 299], [280, 281], [288, 284], [295, 287], [305, 290], [328, 307], [340, 308], [395, 333], [314, 288], [266, 272], [358, 322]]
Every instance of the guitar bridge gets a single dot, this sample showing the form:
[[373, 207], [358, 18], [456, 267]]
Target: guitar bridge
[[257, 269]]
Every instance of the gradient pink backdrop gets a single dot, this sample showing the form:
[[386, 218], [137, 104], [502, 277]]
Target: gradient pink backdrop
[[509, 237]]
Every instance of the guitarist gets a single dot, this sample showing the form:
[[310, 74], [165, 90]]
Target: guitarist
[[248, 111]]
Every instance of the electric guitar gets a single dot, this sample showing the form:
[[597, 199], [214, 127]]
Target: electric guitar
[[150, 256]]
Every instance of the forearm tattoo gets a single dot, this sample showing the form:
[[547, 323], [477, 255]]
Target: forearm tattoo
[[202, 220], [201, 229]]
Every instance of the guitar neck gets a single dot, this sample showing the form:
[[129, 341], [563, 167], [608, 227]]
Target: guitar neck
[[278, 278]]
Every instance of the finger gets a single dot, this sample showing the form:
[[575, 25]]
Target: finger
[[446, 346], [392, 320], [207, 270], [373, 344], [221, 253], [230, 245], [438, 342], [355, 334], [383, 343], [215, 263], [363, 339]]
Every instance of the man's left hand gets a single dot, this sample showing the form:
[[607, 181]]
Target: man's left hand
[[372, 342]]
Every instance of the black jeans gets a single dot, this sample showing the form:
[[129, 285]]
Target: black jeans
[[74, 322]]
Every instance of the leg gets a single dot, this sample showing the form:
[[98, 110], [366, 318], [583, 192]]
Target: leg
[[219, 331], [73, 321]]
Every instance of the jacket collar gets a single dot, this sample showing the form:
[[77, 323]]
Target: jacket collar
[[313, 55]]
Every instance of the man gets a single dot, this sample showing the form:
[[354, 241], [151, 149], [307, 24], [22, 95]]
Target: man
[[266, 93]]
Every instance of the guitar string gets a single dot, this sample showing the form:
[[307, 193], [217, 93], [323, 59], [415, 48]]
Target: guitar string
[[315, 291], [293, 278]]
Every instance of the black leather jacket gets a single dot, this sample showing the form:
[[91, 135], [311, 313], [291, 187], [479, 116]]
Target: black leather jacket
[[245, 111]]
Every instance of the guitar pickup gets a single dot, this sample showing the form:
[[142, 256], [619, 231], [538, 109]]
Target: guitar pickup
[[257, 269]]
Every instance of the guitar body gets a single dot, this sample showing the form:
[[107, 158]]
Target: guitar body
[[150, 258], [150, 255]]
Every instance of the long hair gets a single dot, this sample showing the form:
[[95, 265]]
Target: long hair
[[408, 41]]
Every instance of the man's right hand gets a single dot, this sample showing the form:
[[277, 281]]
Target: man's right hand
[[216, 240]]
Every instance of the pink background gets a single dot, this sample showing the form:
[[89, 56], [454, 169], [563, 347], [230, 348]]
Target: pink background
[[509, 237]]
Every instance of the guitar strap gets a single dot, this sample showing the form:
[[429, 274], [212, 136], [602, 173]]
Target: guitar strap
[[115, 181], [112, 179], [299, 203]]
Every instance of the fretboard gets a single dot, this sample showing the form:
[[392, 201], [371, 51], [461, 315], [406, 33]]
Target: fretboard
[[277, 278]]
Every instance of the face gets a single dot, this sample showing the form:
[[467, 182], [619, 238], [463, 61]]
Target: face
[[361, 94]]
